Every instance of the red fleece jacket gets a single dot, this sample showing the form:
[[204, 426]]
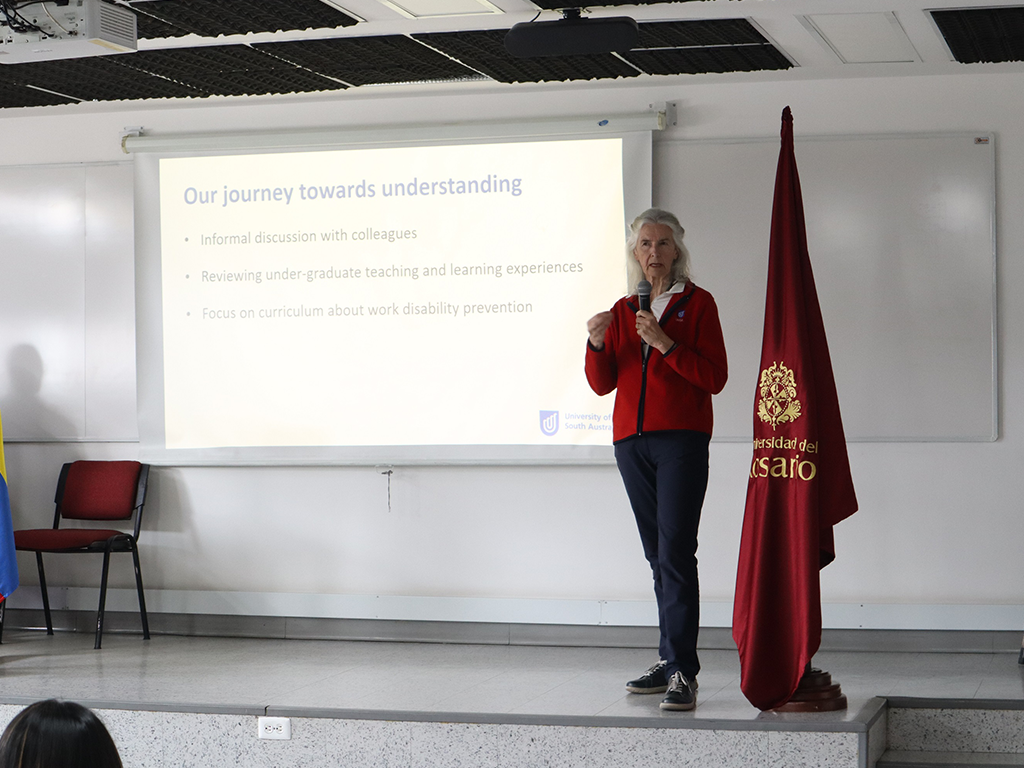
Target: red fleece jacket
[[670, 391]]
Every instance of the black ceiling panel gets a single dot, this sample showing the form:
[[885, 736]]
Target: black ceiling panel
[[13, 95], [366, 60], [98, 78], [983, 34], [228, 70], [187, 64], [695, 61], [331, 64], [151, 28], [211, 18], [485, 52], [692, 34], [265, 82]]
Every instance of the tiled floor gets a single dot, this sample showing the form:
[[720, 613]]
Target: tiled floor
[[247, 675]]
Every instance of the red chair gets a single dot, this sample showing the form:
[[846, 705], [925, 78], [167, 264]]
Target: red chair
[[93, 490]]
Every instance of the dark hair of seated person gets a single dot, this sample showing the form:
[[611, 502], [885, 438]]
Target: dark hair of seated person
[[57, 734]]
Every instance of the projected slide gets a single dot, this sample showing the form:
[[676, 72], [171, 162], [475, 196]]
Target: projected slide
[[410, 296]]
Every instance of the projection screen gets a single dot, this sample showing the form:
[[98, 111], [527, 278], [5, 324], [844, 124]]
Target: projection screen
[[380, 304]]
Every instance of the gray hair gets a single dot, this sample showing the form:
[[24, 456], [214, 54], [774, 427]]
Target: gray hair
[[680, 267]]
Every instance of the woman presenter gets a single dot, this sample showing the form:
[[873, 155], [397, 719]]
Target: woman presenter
[[664, 357]]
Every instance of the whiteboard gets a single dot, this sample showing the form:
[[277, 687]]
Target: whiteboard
[[901, 233], [67, 306]]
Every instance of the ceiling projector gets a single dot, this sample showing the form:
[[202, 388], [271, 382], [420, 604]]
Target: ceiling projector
[[64, 29], [571, 35]]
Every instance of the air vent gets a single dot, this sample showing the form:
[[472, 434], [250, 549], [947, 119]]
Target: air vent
[[116, 22]]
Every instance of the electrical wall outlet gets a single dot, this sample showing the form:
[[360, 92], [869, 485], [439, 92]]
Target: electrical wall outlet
[[275, 728]]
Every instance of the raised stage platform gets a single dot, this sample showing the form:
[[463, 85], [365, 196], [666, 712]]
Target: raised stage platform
[[196, 701]]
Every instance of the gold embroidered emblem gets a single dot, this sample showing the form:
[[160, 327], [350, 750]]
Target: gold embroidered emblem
[[778, 403]]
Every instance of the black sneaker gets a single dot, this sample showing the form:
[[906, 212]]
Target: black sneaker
[[682, 693], [654, 680]]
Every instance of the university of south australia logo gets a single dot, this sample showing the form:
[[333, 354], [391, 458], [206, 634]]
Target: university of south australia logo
[[549, 422], [777, 389]]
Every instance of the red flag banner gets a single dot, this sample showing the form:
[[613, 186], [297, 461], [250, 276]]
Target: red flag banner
[[800, 484]]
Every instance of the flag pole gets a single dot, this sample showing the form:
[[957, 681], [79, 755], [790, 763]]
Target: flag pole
[[799, 484]]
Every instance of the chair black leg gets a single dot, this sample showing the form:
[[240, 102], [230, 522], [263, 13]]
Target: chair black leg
[[46, 595], [3, 610], [142, 596], [103, 599]]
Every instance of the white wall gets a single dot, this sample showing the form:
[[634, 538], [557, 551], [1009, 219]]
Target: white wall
[[936, 544]]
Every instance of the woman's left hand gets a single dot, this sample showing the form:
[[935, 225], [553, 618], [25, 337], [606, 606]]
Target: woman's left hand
[[651, 332]]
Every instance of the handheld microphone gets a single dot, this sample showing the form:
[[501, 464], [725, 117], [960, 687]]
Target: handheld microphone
[[643, 295]]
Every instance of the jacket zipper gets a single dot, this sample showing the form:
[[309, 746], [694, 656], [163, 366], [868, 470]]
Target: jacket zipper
[[643, 367], [643, 392]]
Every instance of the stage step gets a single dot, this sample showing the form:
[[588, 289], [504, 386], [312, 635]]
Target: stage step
[[945, 733], [896, 759], [176, 736]]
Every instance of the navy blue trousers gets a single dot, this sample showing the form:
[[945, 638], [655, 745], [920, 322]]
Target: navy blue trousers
[[666, 476]]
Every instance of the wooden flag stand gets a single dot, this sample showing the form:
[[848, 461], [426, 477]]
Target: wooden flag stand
[[815, 693]]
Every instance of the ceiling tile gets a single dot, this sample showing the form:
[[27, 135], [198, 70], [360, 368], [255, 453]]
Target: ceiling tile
[[696, 61], [983, 34], [428, 9], [864, 38], [209, 18], [369, 60], [485, 52], [229, 70], [698, 33], [100, 78], [13, 95]]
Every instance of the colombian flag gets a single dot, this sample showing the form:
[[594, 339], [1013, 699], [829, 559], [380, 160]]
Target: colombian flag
[[8, 562]]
